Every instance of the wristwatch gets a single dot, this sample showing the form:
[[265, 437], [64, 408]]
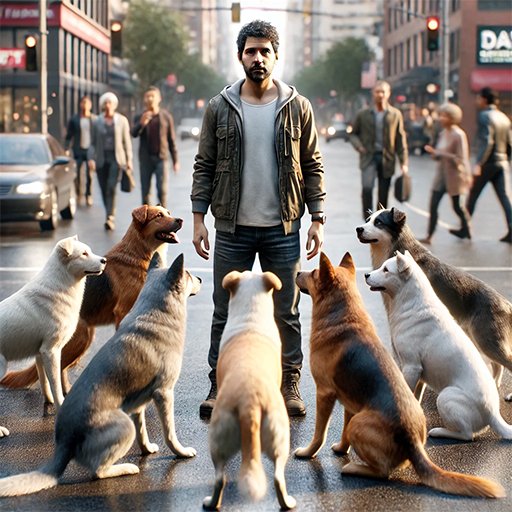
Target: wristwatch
[[318, 217]]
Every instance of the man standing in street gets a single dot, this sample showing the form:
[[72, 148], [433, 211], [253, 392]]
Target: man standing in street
[[258, 166], [494, 149], [78, 137], [378, 134], [155, 127]]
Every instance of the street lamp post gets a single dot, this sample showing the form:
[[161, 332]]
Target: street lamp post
[[44, 67]]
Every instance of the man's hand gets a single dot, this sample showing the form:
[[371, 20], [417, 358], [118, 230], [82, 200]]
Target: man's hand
[[477, 170], [91, 164], [145, 118], [315, 239], [176, 167], [404, 169], [200, 238]]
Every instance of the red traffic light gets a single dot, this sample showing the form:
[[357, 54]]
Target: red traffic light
[[433, 23]]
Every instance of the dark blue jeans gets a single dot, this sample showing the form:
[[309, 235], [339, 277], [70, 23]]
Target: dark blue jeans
[[81, 161], [278, 253], [149, 165]]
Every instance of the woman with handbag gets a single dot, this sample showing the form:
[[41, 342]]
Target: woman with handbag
[[453, 172], [110, 152]]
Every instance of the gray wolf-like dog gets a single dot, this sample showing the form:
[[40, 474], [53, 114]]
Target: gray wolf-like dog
[[105, 410], [481, 311], [249, 413], [434, 350], [40, 318]]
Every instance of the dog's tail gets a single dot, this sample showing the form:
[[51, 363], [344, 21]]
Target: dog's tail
[[500, 426], [252, 482], [450, 482], [35, 481], [71, 353]]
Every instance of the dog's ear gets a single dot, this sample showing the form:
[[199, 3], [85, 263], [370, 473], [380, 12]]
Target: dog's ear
[[140, 214], [399, 217], [231, 280], [156, 262], [271, 281], [403, 262], [65, 246], [326, 268], [347, 262], [176, 270]]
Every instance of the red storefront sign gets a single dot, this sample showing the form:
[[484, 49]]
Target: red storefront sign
[[498, 79], [11, 58], [58, 15]]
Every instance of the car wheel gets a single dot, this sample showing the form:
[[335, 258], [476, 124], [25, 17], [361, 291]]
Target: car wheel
[[69, 212], [51, 223]]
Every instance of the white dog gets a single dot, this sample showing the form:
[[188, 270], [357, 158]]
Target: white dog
[[249, 413], [434, 350], [40, 318]]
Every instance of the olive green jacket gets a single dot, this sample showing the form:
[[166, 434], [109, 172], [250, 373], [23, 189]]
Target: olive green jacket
[[218, 163], [394, 139]]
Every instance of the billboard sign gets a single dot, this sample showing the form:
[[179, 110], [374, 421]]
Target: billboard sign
[[494, 45]]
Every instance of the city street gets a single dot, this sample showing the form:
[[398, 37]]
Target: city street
[[169, 484]]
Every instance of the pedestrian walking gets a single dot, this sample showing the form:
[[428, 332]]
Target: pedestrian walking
[[494, 149], [379, 136], [110, 152], [155, 127], [453, 174], [258, 167], [78, 137]]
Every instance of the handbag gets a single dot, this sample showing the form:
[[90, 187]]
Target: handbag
[[127, 181], [403, 187]]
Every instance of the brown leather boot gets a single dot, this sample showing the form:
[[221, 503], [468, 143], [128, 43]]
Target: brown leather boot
[[291, 394]]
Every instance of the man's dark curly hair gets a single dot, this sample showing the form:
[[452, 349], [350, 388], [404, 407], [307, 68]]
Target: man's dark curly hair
[[259, 29]]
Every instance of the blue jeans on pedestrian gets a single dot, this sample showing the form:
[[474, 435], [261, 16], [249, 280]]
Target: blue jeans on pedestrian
[[149, 165], [81, 161], [278, 253], [108, 178]]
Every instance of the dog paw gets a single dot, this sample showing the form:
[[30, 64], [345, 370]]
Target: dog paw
[[3, 432], [186, 453], [289, 502], [340, 449], [149, 448], [303, 453], [208, 505]]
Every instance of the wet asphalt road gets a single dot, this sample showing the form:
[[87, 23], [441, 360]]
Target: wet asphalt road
[[166, 483]]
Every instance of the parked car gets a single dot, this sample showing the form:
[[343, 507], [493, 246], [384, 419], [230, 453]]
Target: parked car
[[37, 180], [190, 128], [338, 130]]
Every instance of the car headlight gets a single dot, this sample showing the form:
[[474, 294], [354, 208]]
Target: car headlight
[[349, 129], [331, 130], [194, 131], [34, 187]]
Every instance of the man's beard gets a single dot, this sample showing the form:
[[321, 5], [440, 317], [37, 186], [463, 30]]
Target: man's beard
[[257, 75]]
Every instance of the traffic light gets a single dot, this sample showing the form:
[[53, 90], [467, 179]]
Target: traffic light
[[235, 12], [116, 38], [30, 52], [433, 25]]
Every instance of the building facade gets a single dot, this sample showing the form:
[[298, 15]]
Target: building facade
[[479, 53], [78, 61]]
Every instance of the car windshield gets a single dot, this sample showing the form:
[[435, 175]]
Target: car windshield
[[23, 150]]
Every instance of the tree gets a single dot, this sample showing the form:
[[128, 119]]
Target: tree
[[154, 41]]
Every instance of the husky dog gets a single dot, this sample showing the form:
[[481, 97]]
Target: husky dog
[[434, 350], [249, 414], [40, 318], [482, 312], [384, 423], [141, 362]]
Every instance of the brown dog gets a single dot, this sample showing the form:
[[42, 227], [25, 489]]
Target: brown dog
[[109, 297], [384, 423], [249, 413]]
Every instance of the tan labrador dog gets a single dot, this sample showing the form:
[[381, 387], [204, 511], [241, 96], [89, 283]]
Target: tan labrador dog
[[249, 413], [384, 423]]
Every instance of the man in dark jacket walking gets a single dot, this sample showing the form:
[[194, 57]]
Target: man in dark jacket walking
[[258, 167], [155, 127], [379, 136], [494, 148], [78, 137]]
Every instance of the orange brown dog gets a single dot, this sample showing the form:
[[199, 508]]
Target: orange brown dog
[[249, 413], [384, 423], [109, 297]]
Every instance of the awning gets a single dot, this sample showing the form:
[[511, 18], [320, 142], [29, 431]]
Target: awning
[[498, 79]]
